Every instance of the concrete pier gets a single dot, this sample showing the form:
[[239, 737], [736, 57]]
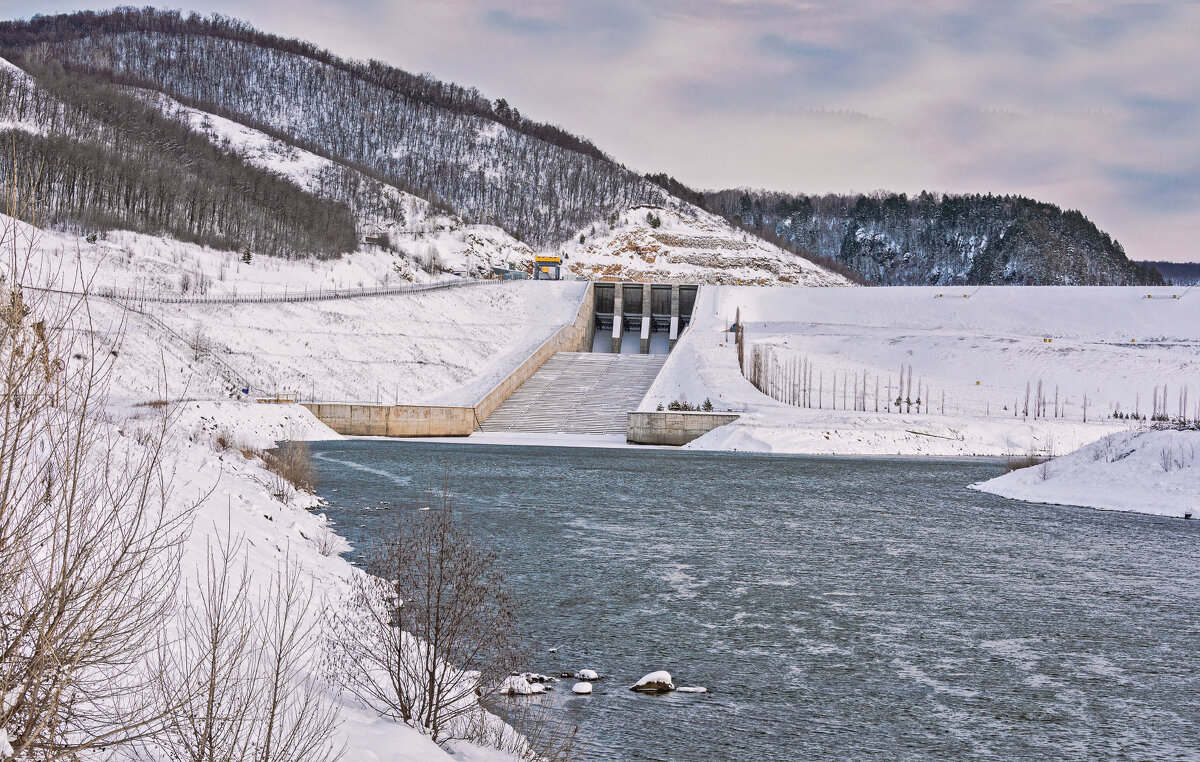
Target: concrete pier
[[672, 427], [646, 324], [674, 335], [618, 318]]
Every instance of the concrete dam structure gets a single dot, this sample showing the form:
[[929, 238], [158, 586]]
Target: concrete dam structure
[[562, 388], [578, 393], [635, 325], [641, 318]]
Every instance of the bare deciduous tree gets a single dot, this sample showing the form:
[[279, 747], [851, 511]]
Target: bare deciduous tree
[[88, 543], [432, 629]]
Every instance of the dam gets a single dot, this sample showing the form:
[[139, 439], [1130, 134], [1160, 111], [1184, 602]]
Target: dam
[[586, 379]]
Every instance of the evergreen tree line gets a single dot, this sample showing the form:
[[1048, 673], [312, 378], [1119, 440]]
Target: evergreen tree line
[[941, 239], [104, 159], [363, 115]]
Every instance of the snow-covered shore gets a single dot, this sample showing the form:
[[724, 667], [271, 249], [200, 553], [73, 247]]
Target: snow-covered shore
[[980, 347], [1149, 471]]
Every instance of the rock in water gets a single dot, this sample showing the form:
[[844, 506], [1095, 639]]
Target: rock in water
[[655, 682], [588, 674], [692, 689], [583, 689], [515, 685]]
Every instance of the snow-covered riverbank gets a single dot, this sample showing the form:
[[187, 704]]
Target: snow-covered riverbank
[[1149, 471], [977, 358]]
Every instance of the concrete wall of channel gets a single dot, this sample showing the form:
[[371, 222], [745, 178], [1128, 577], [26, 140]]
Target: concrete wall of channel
[[394, 420], [440, 421], [573, 337], [672, 428]]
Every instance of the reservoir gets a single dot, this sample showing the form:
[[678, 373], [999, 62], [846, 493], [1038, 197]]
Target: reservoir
[[836, 608]]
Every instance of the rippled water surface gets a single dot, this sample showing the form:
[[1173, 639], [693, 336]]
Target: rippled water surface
[[836, 608]]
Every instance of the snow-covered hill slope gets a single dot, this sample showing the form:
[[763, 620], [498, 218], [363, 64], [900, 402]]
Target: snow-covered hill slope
[[293, 536], [445, 346], [1113, 345], [1151, 471], [649, 243], [410, 225], [482, 157]]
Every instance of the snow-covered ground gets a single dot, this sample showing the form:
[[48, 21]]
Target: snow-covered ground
[[443, 347], [688, 245], [439, 347], [237, 502], [978, 347], [1149, 471]]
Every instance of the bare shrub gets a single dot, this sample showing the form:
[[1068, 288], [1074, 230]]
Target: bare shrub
[[533, 732], [1044, 471], [1166, 458], [293, 463], [329, 543], [88, 545], [199, 342], [1027, 460], [431, 630], [243, 672]]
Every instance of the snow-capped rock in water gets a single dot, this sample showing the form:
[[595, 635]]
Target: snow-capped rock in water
[[691, 689], [534, 677], [655, 682], [582, 689], [515, 685], [588, 674]]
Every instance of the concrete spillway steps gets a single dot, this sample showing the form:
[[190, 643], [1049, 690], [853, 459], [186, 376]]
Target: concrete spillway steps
[[578, 393]]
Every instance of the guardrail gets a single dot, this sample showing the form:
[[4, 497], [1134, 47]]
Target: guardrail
[[133, 295]]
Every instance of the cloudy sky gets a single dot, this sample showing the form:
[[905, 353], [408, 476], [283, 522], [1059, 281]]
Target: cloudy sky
[[1094, 106]]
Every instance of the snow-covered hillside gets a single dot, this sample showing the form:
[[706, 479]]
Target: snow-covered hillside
[[413, 229], [980, 348], [1150, 471], [649, 243], [446, 346]]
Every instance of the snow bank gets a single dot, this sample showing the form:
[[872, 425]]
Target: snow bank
[[978, 347], [1148, 471], [234, 499], [250, 425]]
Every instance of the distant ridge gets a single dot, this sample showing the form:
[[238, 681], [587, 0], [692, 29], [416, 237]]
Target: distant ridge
[[935, 239], [1177, 273]]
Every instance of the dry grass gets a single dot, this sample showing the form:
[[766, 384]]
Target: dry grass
[[293, 462], [1014, 462]]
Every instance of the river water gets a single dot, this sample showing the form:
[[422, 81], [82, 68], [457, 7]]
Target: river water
[[836, 608]]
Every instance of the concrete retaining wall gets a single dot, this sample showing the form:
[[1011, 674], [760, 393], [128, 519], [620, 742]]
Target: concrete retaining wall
[[672, 428], [395, 420], [431, 421], [576, 337]]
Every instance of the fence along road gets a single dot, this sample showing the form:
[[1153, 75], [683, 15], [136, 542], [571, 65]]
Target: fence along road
[[133, 296]]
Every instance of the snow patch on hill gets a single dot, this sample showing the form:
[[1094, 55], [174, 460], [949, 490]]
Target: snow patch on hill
[[1150, 471], [688, 245]]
